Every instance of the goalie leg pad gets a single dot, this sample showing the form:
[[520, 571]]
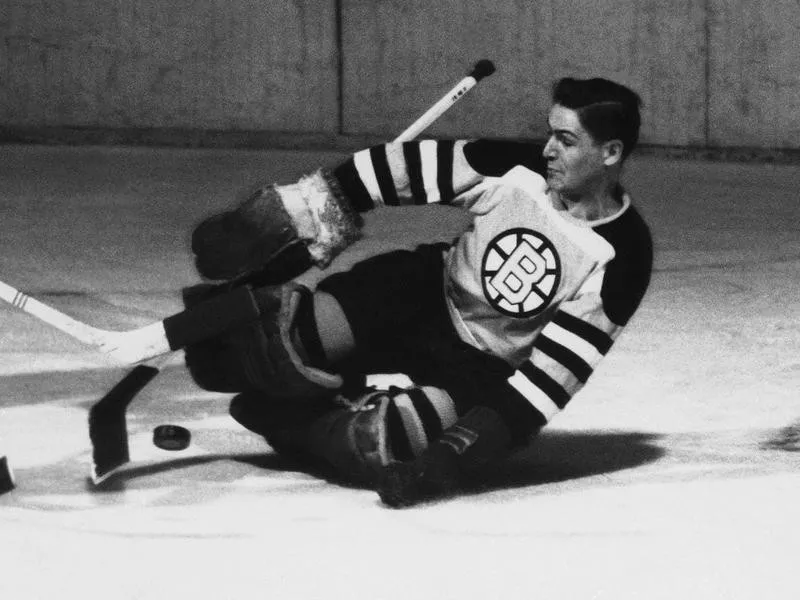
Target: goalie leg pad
[[261, 356]]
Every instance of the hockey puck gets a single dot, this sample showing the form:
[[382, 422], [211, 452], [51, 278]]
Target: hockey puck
[[6, 476], [171, 437]]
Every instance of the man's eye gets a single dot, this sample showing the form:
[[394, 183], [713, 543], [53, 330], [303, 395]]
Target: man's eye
[[563, 140]]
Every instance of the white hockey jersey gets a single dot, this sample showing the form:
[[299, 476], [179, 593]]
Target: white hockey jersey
[[527, 282]]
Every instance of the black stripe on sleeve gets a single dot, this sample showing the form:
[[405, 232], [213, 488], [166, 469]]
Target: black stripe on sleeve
[[547, 384], [596, 337], [579, 367], [431, 422], [413, 159], [497, 157], [445, 156], [352, 186], [380, 163]]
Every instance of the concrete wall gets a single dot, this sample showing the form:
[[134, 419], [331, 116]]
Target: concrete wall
[[651, 45], [754, 73], [217, 64], [720, 73]]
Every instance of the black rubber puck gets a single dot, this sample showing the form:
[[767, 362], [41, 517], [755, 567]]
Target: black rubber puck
[[6, 476], [171, 437]]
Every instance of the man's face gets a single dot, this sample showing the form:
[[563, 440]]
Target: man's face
[[574, 160]]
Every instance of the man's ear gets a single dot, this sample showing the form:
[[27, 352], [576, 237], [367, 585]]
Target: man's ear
[[612, 152]]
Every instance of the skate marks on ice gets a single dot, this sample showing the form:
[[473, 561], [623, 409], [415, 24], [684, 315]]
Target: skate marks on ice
[[786, 439]]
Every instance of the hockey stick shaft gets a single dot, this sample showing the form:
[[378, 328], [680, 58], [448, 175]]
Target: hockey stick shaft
[[47, 314], [482, 68]]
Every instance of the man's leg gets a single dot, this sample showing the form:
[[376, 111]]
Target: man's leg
[[354, 439], [356, 322]]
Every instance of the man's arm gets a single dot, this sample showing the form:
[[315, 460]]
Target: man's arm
[[286, 229], [429, 171]]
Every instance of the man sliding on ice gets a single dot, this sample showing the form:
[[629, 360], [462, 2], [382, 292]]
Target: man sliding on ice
[[497, 330]]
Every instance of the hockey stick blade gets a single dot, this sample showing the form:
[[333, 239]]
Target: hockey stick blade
[[108, 428]]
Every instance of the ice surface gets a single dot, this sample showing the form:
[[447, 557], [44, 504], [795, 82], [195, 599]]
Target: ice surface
[[674, 474]]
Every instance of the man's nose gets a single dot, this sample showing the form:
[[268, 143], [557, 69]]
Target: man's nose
[[549, 151]]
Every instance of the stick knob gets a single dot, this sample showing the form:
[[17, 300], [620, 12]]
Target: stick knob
[[483, 68]]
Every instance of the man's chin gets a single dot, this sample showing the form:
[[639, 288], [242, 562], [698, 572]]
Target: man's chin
[[554, 183]]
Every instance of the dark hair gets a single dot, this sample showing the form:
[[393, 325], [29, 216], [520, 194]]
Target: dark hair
[[607, 110]]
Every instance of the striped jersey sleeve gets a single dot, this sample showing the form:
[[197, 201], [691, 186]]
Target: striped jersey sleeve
[[428, 171], [565, 354], [569, 348]]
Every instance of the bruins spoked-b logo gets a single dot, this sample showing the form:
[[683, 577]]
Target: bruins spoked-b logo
[[520, 272]]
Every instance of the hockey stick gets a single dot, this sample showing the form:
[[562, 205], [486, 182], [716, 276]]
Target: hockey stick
[[150, 347]]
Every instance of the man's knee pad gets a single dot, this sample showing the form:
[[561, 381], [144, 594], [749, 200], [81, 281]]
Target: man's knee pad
[[261, 356], [416, 416]]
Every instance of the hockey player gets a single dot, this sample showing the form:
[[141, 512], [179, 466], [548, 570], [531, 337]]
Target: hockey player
[[497, 331]]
